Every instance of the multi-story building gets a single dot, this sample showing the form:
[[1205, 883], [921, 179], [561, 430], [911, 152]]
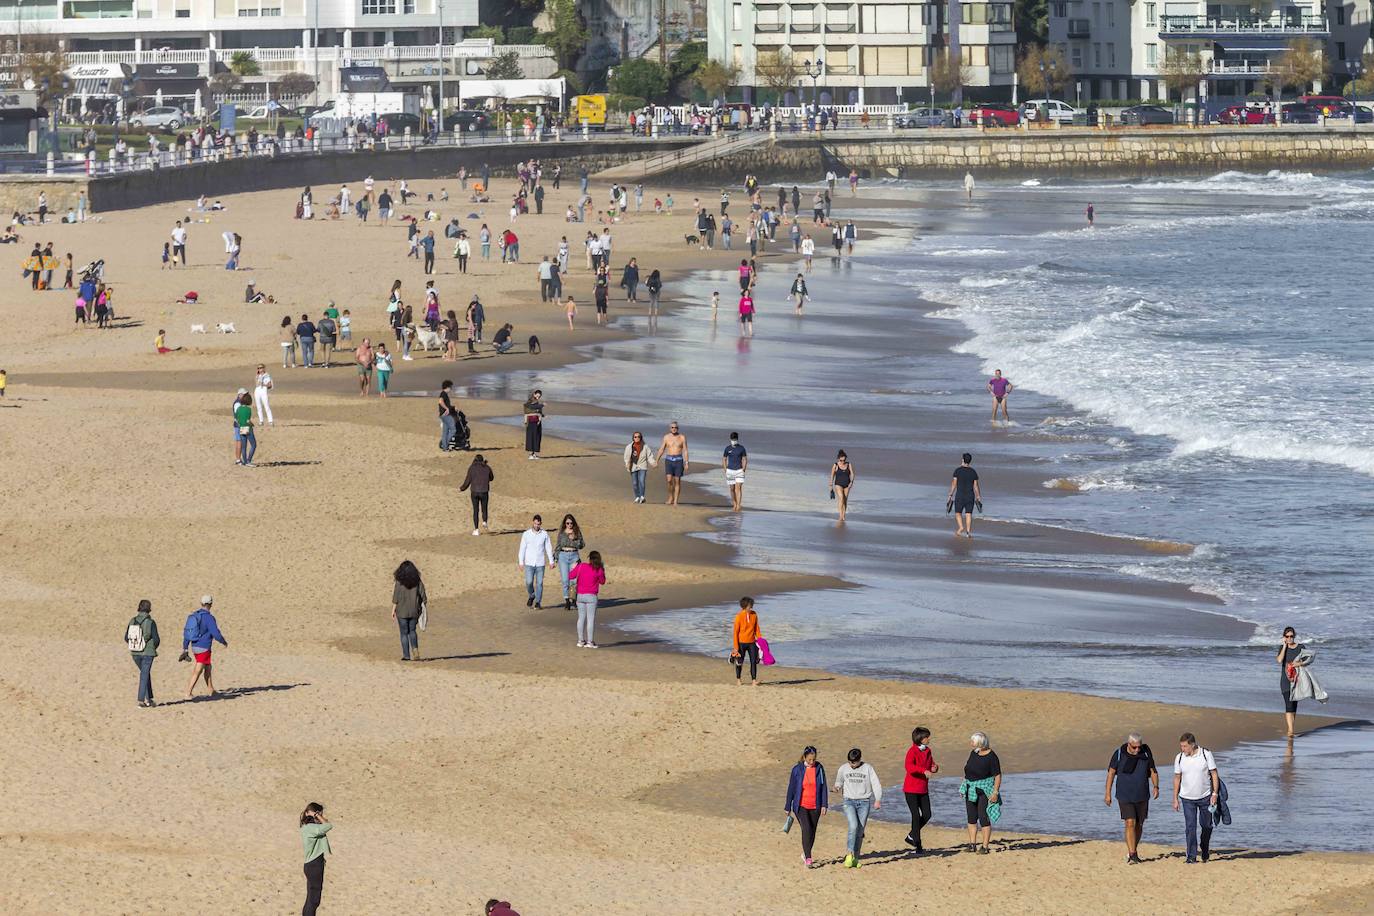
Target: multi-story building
[[875, 52], [1116, 48]]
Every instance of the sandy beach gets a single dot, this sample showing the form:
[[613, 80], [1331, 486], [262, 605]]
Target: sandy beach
[[508, 764]]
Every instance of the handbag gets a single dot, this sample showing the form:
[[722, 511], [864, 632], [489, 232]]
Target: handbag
[[424, 616], [243, 430]]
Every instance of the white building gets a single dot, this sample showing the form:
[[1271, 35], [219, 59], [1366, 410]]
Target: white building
[[1115, 48], [875, 52]]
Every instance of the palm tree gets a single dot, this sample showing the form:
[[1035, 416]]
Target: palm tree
[[244, 64]]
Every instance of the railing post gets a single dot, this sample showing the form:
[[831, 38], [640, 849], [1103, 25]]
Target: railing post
[[90, 163], [50, 162], [510, 132], [586, 130]]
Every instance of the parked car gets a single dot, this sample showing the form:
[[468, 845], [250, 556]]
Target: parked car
[[166, 117], [920, 117], [1142, 115], [1301, 113], [1364, 115], [397, 122], [994, 115], [1333, 106], [1244, 114], [1056, 110], [467, 120]]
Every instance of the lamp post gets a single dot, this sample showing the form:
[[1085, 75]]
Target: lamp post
[[439, 117], [1356, 67], [815, 71], [1044, 87]]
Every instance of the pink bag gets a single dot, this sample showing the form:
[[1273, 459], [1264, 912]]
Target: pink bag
[[764, 655]]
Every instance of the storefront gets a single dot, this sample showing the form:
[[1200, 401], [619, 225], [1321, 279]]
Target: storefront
[[170, 84], [99, 87], [20, 120]]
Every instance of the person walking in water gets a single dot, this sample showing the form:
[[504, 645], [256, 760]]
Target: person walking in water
[[999, 388], [1196, 788], [841, 481], [588, 578], [745, 638], [314, 834], [735, 462], [199, 636], [1132, 768], [1090, 213], [673, 454], [141, 636], [863, 794], [1289, 652], [964, 495], [799, 293], [981, 791], [807, 798], [920, 765], [408, 600], [536, 554], [968, 184], [479, 478]]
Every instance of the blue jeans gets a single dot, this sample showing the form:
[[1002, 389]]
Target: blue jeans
[[308, 351], [1195, 811], [856, 812], [638, 479], [534, 583], [449, 424], [145, 676], [250, 446], [410, 639], [567, 559]]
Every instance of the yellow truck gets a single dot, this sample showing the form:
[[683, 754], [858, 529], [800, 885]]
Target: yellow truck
[[589, 108]]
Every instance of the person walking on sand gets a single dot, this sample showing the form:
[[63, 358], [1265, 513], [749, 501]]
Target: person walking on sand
[[1288, 658], [968, 184], [1132, 768], [799, 292], [638, 459], [381, 361], [964, 495], [587, 579], [261, 386], [1196, 788], [568, 553], [999, 388], [140, 635], [863, 794], [841, 480], [314, 830], [981, 791], [478, 480], [535, 555], [365, 360], [448, 416], [287, 336], [534, 423], [408, 601], [735, 461], [807, 798], [199, 636], [676, 461], [745, 635], [570, 309], [919, 766]]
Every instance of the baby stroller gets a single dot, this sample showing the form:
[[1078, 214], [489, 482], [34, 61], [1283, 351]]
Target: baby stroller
[[462, 435], [94, 271]]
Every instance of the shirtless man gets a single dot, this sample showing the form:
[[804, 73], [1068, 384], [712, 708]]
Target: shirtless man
[[675, 463], [999, 388]]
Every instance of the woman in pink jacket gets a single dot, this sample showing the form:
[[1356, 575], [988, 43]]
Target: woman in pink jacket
[[587, 578]]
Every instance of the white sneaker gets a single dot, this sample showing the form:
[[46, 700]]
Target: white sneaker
[[475, 532], [408, 358], [581, 645], [592, 645]]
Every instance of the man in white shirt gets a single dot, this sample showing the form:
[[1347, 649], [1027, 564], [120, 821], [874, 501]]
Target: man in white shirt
[[1196, 785], [606, 247], [536, 555], [179, 244]]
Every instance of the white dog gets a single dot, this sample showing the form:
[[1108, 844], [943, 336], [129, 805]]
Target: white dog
[[197, 329], [226, 327], [425, 337]]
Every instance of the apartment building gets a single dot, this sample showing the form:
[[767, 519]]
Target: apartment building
[[875, 53], [1116, 48]]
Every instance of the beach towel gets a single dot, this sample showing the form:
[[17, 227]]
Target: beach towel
[[764, 654]]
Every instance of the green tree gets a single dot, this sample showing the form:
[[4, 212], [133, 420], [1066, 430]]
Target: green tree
[[715, 78], [1365, 84], [1301, 65], [1042, 69], [778, 71], [226, 82], [1182, 71], [1032, 22], [505, 66], [45, 62], [494, 32], [686, 61], [244, 63], [568, 36], [640, 77], [574, 81]]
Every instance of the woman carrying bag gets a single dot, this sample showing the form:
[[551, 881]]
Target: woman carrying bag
[[534, 423], [408, 608], [807, 799]]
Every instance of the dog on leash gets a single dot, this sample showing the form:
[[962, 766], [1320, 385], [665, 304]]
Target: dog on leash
[[692, 239], [197, 329], [535, 345], [425, 337], [226, 327]]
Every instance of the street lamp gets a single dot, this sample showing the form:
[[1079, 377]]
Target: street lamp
[[1356, 67], [1044, 86], [815, 71]]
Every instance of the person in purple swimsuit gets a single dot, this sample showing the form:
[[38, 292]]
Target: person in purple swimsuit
[[999, 388]]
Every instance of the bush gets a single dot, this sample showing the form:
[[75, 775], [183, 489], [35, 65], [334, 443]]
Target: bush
[[641, 77], [623, 103], [521, 35]]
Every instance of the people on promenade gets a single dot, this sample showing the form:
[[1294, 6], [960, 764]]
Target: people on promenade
[[1289, 650], [676, 460], [408, 600], [981, 791], [587, 579], [534, 422], [999, 388], [863, 794], [744, 635], [807, 798], [478, 482], [198, 636], [1132, 768], [964, 495], [141, 636], [919, 766], [568, 553], [638, 459], [535, 555], [735, 461], [841, 481], [314, 830], [1196, 789]]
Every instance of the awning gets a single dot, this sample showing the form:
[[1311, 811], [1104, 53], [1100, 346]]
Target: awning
[[98, 71], [364, 79], [167, 71], [170, 87]]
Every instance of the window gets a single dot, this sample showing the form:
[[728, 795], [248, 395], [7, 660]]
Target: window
[[378, 7], [737, 57], [1150, 19], [183, 14], [1340, 17], [974, 55], [1059, 9], [836, 61], [736, 14], [1097, 14], [890, 19], [803, 15], [1003, 59], [1111, 54], [1097, 54], [1076, 57], [407, 6], [1340, 50], [1111, 15], [1152, 55], [98, 9]]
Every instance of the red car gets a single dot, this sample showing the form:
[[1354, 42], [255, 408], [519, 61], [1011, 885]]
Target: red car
[[994, 115], [1244, 114]]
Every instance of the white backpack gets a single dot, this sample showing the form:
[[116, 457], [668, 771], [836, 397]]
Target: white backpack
[[134, 637]]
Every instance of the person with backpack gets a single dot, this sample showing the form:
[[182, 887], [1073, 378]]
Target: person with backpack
[[142, 639], [1196, 789], [1132, 768], [199, 635]]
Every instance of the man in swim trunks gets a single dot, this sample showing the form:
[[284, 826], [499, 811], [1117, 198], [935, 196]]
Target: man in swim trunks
[[673, 454], [735, 462], [964, 494], [199, 636], [999, 388]]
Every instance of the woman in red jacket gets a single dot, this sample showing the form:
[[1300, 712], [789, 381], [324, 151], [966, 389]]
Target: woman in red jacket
[[920, 766]]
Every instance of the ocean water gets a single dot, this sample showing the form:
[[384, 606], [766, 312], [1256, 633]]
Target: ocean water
[[1192, 369]]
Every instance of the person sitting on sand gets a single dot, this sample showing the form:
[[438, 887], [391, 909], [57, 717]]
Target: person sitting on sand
[[160, 343], [10, 237]]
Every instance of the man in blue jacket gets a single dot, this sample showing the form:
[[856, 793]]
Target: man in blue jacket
[[200, 633]]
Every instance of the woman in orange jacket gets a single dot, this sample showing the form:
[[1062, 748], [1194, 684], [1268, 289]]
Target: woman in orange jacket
[[745, 637]]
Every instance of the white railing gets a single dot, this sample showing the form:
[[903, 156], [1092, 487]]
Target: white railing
[[300, 55], [1189, 25], [1233, 68]]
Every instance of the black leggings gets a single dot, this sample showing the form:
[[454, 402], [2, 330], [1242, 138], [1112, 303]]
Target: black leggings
[[479, 500], [978, 811], [919, 803], [314, 885], [808, 818], [752, 650]]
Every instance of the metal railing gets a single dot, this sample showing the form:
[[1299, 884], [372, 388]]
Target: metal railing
[[298, 55], [1239, 68], [1194, 25]]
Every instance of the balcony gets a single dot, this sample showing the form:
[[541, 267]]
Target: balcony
[[840, 69], [1238, 69], [1203, 27], [841, 27], [1079, 28], [805, 27], [769, 28]]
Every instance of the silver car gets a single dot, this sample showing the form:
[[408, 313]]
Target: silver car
[[167, 117]]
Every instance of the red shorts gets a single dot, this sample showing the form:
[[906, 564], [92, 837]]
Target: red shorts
[[203, 658]]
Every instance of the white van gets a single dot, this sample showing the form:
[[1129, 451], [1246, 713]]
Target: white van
[[1059, 111]]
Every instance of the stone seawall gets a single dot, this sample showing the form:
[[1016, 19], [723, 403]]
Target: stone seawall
[[1047, 152]]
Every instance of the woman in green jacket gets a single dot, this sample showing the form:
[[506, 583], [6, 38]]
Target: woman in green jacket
[[142, 638], [314, 830]]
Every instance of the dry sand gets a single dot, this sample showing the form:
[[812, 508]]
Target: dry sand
[[625, 780]]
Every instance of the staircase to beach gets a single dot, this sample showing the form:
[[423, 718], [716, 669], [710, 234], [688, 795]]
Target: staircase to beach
[[731, 143]]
